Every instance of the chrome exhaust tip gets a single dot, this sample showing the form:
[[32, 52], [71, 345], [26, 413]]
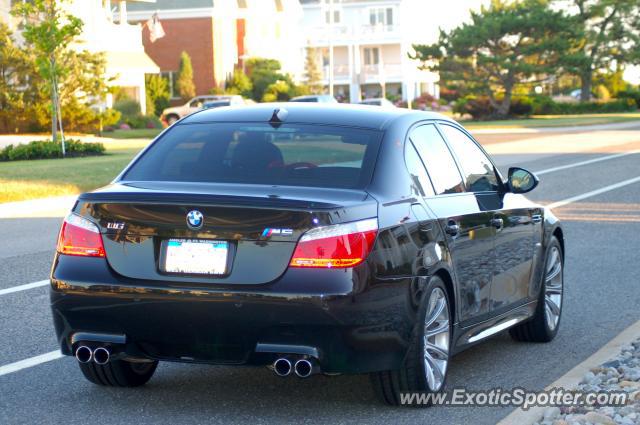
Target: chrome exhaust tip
[[84, 354], [282, 367], [101, 355], [303, 368]]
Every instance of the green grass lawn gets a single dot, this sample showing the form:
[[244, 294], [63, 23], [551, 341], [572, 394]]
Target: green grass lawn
[[140, 133], [20, 180], [539, 121]]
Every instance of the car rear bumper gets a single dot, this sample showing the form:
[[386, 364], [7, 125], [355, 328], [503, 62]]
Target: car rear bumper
[[352, 324]]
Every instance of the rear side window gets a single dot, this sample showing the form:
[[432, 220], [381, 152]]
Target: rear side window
[[417, 171], [252, 153], [437, 158], [478, 170]]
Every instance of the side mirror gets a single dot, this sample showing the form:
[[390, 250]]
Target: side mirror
[[521, 180]]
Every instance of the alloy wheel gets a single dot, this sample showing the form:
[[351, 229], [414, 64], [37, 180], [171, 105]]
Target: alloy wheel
[[553, 282], [436, 339]]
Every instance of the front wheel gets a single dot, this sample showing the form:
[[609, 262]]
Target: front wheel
[[543, 326], [119, 373], [425, 368]]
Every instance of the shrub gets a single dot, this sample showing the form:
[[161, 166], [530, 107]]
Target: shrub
[[127, 107], [521, 106], [48, 149], [630, 94], [142, 121], [478, 107]]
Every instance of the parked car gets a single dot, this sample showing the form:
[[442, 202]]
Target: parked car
[[378, 101], [309, 239], [226, 102], [313, 98], [173, 114]]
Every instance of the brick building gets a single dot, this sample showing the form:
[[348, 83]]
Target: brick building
[[219, 34]]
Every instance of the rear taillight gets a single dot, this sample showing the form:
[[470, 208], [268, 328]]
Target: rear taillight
[[336, 246], [79, 236]]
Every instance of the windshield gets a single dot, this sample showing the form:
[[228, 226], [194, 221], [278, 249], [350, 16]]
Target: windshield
[[252, 153]]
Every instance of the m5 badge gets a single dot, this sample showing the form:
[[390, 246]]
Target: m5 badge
[[269, 231]]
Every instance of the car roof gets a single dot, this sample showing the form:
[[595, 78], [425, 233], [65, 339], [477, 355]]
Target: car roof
[[312, 113]]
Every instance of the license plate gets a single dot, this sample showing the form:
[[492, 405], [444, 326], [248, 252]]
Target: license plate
[[196, 256]]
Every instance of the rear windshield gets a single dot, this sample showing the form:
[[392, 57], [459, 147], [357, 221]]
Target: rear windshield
[[256, 153]]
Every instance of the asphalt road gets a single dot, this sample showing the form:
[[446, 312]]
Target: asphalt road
[[602, 299]]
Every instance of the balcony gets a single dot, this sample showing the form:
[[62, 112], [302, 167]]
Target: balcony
[[344, 34], [369, 74]]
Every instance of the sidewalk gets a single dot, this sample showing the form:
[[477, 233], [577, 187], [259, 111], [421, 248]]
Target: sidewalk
[[58, 206], [569, 129]]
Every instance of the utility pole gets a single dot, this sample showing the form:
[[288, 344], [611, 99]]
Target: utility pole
[[331, 48]]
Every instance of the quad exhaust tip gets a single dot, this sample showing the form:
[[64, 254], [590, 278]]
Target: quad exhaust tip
[[303, 368], [282, 367], [84, 354], [101, 355]]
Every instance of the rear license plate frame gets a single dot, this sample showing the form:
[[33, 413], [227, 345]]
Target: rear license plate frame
[[220, 269]]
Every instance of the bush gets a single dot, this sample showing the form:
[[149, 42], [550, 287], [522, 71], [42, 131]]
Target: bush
[[142, 121], [632, 95], [521, 106], [48, 149], [619, 105], [478, 107], [127, 107]]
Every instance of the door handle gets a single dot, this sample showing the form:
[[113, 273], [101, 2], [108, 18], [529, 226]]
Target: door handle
[[498, 223], [452, 228], [536, 218]]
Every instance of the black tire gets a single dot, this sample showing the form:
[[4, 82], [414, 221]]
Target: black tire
[[171, 119], [537, 328], [412, 376], [119, 373]]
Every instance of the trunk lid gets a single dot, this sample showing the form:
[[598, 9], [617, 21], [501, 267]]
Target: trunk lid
[[136, 218]]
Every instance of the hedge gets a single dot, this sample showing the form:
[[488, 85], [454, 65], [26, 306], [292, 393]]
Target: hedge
[[480, 108], [48, 149]]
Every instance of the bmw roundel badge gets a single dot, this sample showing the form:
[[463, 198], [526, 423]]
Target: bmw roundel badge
[[195, 219]]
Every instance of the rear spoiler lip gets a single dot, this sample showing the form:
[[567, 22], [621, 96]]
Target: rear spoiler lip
[[208, 199]]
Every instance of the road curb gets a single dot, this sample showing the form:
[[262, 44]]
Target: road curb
[[571, 379]]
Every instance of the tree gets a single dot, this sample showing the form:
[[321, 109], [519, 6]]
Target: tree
[[184, 82], [262, 73], [157, 90], [48, 30], [19, 96], [312, 72], [280, 91], [506, 45], [239, 83], [609, 31]]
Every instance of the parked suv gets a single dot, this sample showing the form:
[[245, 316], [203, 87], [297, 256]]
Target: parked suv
[[173, 114]]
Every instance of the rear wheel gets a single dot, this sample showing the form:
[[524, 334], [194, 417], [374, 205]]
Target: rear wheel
[[171, 119], [119, 373], [425, 368], [543, 327]]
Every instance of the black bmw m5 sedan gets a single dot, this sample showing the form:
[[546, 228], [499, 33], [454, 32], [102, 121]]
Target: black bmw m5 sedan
[[310, 239]]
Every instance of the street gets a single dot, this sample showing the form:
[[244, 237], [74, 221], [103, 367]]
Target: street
[[593, 177]]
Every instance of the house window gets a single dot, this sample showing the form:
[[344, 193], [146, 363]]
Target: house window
[[381, 16], [279, 7], [371, 56], [336, 16], [242, 4], [171, 76]]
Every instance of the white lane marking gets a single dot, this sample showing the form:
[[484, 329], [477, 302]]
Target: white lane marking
[[30, 362], [593, 193], [586, 162], [24, 287]]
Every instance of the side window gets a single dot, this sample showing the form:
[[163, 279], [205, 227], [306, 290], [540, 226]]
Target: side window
[[478, 171], [417, 171], [437, 158]]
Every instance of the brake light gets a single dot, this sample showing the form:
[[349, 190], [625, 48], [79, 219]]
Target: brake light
[[79, 236], [336, 246]]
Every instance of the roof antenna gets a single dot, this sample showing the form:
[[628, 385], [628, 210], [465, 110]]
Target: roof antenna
[[278, 117]]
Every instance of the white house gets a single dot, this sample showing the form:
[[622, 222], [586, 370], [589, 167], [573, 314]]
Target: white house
[[127, 62], [371, 42]]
